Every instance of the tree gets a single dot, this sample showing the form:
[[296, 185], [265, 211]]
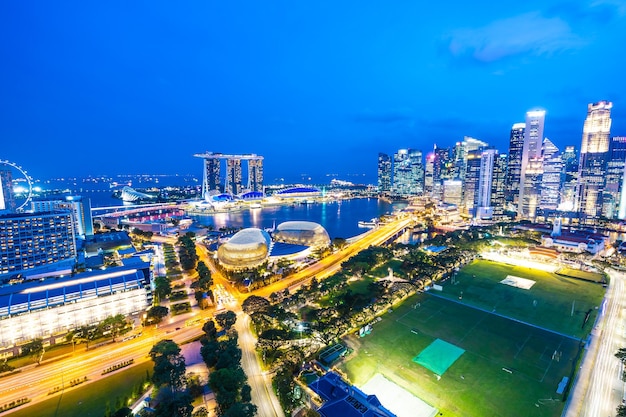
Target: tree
[[169, 365], [156, 314], [621, 410], [173, 404], [246, 391], [200, 412], [254, 304], [123, 412], [34, 349], [209, 330], [621, 354], [162, 287], [226, 319], [241, 410]]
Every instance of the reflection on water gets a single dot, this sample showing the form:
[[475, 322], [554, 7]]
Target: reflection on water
[[340, 218]]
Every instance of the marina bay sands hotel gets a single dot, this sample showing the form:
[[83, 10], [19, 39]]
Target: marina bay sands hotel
[[233, 180]]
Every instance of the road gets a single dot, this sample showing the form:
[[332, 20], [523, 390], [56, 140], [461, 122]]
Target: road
[[35, 382], [598, 389]]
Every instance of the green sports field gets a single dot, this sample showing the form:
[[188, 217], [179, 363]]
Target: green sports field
[[548, 303], [505, 367]]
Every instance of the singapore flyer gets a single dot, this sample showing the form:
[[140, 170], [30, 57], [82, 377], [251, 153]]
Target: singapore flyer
[[23, 192]]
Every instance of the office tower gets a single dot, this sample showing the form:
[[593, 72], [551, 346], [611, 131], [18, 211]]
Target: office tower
[[384, 173], [453, 192], [7, 199], [485, 183], [460, 155], [514, 165], [417, 172], [442, 170], [233, 176], [211, 177], [498, 186], [255, 174], [31, 241], [611, 198], [428, 174], [593, 160], [532, 165], [401, 172], [471, 183], [552, 175], [570, 178]]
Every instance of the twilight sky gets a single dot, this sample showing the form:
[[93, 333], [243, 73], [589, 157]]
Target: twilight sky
[[315, 87]]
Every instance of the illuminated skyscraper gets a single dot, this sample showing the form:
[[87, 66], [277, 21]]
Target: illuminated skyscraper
[[594, 151], [514, 164], [484, 210], [611, 198], [401, 172], [255, 174], [417, 172], [384, 173], [233, 176], [570, 179], [532, 165], [552, 175], [211, 180], [471, 183], [498, 186]]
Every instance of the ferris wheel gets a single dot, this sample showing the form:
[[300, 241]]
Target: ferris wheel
[[29, 189]]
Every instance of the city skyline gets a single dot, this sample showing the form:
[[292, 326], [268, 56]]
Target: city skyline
[[126, 88]]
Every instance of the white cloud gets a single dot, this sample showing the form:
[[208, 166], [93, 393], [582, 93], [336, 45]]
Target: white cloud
[[529, 33]]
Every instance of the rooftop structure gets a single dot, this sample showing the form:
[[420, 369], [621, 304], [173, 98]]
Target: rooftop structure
[[246, 249], [302, 233]]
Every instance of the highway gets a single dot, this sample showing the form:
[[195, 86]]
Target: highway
[[35, 382], [599, 389]]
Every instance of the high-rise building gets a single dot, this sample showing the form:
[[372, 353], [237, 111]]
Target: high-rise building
[[429, 174], [453, 192], [255, 174], [7, 199], [233, 176], [78, 206], [460, 155], [484, 210], [552, 176], [594, 151], [498, 186], [570, 179], [611, 198], [31, 242], [532, 165], [471, 183], [384, 173], [401, 172], [514, 165], [417, 172], [443, 168]]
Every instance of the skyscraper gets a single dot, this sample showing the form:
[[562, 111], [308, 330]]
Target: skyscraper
[[552, 175], [484, 210], [255, 174], [570, 179], [417, 172], [384, 173], [532, 165], [498, 186], [233, 176], [611, 198], [594, 151], [514, 165], [401, 172], [471, 183], [211, 176]]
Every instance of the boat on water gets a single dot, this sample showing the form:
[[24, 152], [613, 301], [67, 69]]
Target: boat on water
[[255, 206], [372, 223]]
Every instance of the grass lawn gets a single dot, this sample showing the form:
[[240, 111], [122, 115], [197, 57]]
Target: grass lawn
[[547, 303], [90, 400], [383, 270], [577, 273], [508, 368]]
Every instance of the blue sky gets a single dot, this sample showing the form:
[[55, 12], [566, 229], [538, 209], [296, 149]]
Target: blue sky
[[315, 87]]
